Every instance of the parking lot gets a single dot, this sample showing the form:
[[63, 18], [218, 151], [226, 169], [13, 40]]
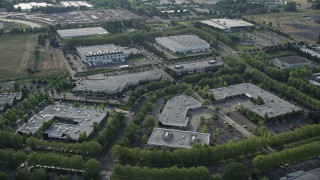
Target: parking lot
[[242, 121], [262, 39], [227, 132], [286, 124], [234, 104], [289, 168]]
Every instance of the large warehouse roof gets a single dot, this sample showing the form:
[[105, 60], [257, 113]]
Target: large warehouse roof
[[114, 84], [175, 111], [75, 121], [99, 50], [177, 138], [181, 41], [227, 24], [81, 32], [273, 105]]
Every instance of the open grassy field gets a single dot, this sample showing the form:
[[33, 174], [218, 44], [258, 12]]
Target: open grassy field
[[292, 23], [17, 55]]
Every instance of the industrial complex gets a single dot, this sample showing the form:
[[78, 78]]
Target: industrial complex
[[81, 32], [114, 84], [183, 43], [194, 67], [227, 24], [291, 62], [69, 121], [104, 53], [177, 138], [273, 106], [175, 111]]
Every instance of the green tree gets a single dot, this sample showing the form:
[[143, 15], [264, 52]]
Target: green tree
[[39, 174], [259, 101], [206, 102], [235, 171], [4, 176], [92, 169], [23, 174]]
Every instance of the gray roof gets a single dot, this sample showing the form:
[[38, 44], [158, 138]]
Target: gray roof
[[226, 23], [273, 105], [292, 59], [7, 98], [88, 51], [302, 175], [182, 41], [81, 32], [175, 111], [177, 138], [194, 65], [114, 84], [80, 120]]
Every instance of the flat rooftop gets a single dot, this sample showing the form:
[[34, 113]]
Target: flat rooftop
[[106, 49], [75, 4], [273, 105], [226, 24], [7, 98], [81, 32], [194, 65], [73, 121], [293, 59], [182, 41], [177, 138], [114, 84], [175, 111]]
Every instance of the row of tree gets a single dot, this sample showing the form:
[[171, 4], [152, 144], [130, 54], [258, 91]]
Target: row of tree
[[209, 154], [308, 131], [135, 172], [10, 140], [11, 158], [86, 148], [151, 86], [92, 167], [111, 129], [265, 66], [263, 163], [304, 86], [196, 156]]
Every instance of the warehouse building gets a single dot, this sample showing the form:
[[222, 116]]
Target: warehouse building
[[81, 32], [194, 67], [183, 43], [76, 4], [273, 106], [107, 53], [175, 111], [291, 62], [113, 84], [227, 25], [177, 138], [69, 121], [30, 5]]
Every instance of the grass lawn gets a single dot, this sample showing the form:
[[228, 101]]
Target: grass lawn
[[14, 54]]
